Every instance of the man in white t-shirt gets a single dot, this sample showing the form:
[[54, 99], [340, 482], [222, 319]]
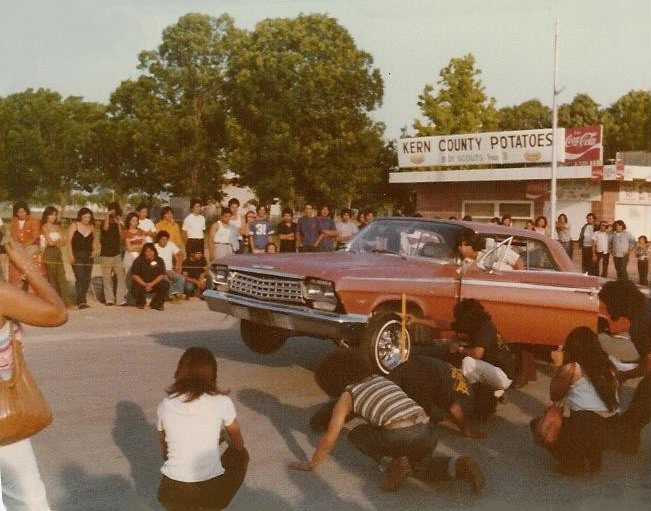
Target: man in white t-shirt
[[193, 228], [346, 229], [145, 224], [502, 258], [171, 256]]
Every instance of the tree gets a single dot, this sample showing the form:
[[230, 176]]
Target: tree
[[460, 105], [300, 93], [627, 124], [185, 77], [45, 141], [582, 111], [529, 115]]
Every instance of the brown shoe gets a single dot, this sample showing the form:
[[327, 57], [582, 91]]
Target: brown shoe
[[397, 471], [468, 469]]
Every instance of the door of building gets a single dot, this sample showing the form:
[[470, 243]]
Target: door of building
[[637, 218]]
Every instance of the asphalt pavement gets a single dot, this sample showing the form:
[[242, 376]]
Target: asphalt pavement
[[105, 370]]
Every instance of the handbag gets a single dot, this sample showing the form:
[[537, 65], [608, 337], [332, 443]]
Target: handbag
[[549, 426], [23, 409]]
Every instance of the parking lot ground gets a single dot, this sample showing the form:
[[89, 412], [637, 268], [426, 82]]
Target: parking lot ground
[[104, 373]]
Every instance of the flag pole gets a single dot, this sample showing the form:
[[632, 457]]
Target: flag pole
[[552, 220]]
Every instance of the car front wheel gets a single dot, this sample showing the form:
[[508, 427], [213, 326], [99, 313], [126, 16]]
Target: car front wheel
[[381, 342], [262, 339]]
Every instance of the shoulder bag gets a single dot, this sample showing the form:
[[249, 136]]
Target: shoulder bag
[[23, 409]]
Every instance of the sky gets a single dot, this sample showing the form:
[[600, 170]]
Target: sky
[[87, 47]]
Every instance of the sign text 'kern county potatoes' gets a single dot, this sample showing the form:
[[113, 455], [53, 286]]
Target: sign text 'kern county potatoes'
[[527, 146]]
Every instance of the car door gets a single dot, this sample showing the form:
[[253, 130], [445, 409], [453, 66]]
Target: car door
[[536, 305]]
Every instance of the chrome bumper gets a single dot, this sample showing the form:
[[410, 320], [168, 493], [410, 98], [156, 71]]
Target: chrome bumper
[[298, 319]]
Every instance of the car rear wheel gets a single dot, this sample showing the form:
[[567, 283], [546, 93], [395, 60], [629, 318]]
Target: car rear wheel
[[381, 342], [260, 338]]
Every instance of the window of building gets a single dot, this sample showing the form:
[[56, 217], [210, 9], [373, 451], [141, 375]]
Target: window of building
[[484, 210]]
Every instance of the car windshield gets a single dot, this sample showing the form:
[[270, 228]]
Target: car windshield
[[413, 238]]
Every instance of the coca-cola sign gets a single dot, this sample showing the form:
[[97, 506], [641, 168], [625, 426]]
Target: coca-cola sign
[[584, 145]]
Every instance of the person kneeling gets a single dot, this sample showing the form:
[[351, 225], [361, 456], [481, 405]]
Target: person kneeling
[[190, 419], [396, 425], [148, 276]]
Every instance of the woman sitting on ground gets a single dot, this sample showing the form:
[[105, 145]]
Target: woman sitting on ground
[[148, 276], [190, 421], [396, 425], [587, 382]]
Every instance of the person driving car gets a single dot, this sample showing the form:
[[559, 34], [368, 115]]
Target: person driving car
[[503, 257]]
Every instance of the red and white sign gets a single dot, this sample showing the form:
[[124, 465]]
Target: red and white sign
[[584, 145], [598, 172]]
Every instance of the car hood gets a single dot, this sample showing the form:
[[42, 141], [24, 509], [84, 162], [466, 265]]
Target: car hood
[[336, 265]]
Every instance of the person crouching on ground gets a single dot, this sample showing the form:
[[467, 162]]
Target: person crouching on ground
[[195, 271], [437, 386], [486, 358], [190, 419], [587, 382], [396, 425], [148, 276], [622, 299]]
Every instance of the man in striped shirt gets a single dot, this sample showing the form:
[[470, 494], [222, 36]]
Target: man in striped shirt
[[396, 426]]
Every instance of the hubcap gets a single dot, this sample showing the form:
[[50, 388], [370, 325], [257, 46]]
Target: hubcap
[[387, 346]]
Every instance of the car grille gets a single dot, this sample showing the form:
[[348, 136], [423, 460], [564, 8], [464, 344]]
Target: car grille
[[266, 287]]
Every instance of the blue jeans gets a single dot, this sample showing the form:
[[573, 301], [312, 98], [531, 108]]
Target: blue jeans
[[177, 282]]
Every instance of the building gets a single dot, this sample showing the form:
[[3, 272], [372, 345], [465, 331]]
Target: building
[[524, 193]]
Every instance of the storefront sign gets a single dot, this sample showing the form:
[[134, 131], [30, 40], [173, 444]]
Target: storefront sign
[[584, 145], [610, 173], [504, 147], [578, 190], [636, 192]]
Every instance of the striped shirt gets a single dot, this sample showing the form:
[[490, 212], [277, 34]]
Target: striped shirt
[[6, 357], [381, 402]]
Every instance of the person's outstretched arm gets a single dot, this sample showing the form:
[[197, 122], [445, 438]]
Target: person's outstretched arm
[[341, 410], [44, 308]]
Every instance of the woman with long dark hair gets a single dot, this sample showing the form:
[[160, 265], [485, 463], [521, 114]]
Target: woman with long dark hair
[[19, 474], [190, 420], [587, 382], [53, 241], [81, 236], [148, 276]]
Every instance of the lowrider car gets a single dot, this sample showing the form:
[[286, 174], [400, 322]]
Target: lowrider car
[[354, 297]]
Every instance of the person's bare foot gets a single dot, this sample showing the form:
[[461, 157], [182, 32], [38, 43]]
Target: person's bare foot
[[468, 469], [397, 471]]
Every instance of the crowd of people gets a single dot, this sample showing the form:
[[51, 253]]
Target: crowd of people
[[165, 259], [463, 382]]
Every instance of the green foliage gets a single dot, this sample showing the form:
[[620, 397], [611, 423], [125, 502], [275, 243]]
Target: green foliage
[[45, 141], [627, 124], [582, 111], [529, 115], [460, 104], [299, 96]]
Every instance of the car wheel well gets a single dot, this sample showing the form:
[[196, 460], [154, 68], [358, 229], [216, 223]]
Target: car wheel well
[[396, 306]]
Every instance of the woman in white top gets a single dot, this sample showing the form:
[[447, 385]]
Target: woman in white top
[[588, 383], [20, 480], [237, 221], [52, 240], [190, 421], [220, 236]]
